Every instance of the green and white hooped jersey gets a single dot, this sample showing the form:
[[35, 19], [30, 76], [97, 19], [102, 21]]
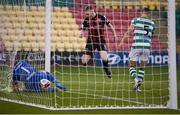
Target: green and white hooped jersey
[[143, 31]]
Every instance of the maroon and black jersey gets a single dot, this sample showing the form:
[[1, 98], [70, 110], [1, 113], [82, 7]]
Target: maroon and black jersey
[[96, 28]]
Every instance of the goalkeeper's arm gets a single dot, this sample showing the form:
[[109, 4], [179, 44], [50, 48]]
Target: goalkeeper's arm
[[56, 82]]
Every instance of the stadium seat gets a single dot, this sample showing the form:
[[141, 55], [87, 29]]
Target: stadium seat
[[57, 26], [64, 39], [56, 9], [70, 33], [68, 14], [55, 20], [23, 38], [8, 25], [54, 39], [53, 47], [32, 39], [11, 32], [3, 32], [71, 21], [28, 32], [72, 39], [40, 38], [41, 8], [17, 25], [19, 32], [1, 7], [35, 46], [7, 38], [39, 32], [58, 15], [68, 46], [54, 32], [42, 46], [76, 33], [62, 33], [33, 8], [77, 47], [74, 27], [8, 46], [64, 9], [60, 47], [16, 7], [63, 20], [17, 46], [26, 46]]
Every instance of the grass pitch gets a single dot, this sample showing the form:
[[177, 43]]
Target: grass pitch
[[87, 89]]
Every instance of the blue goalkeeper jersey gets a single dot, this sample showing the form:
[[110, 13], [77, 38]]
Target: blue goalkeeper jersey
[[24, 72]]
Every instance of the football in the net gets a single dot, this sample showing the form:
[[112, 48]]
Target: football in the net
[[45, 84]]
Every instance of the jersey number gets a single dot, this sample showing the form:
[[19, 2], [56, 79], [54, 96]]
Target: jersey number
[[26, 70], [146, 28]]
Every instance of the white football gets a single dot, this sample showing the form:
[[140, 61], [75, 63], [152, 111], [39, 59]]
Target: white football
[[45, 84]]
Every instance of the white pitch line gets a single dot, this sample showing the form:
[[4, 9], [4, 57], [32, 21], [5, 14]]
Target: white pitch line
[[113, 98]]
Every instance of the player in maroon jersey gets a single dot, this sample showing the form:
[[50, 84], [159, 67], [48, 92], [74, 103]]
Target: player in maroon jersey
[[95, 23]]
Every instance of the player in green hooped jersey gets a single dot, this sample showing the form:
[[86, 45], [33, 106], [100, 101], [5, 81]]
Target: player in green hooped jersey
[[143, 28]]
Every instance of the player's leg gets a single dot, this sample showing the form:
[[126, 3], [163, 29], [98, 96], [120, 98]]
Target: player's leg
[[134, 75], [132, 69], [104, 56], [85, 59], [144, 57], [133, 56], [141, 71], [87, 53]]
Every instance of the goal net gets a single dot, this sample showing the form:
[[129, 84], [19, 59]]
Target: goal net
[[24, 29]]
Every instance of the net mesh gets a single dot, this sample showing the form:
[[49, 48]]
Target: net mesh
[[23, 30]]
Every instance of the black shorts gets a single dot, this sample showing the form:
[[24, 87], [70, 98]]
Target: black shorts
[[91, 47]]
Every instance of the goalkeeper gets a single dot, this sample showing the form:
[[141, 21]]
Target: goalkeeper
[[34, 81]]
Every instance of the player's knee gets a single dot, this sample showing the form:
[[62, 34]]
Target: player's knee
[[85, 59], [131, 63], [84, 62]]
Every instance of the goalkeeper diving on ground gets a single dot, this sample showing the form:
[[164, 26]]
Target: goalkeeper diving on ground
[[34, 80]]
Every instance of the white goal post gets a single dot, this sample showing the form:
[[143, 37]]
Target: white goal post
[[172, 55]]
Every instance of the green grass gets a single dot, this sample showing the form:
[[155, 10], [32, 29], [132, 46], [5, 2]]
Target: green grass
[[87, 89]]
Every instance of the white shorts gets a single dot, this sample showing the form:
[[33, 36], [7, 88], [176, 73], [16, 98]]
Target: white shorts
[[141, 54]]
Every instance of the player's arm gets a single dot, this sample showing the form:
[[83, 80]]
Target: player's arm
[[113, 31], [84, 25], [126, 35], [107, 22]]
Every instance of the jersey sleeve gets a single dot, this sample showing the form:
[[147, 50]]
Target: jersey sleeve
[[84, 25], [133, 21], [105, 20]]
